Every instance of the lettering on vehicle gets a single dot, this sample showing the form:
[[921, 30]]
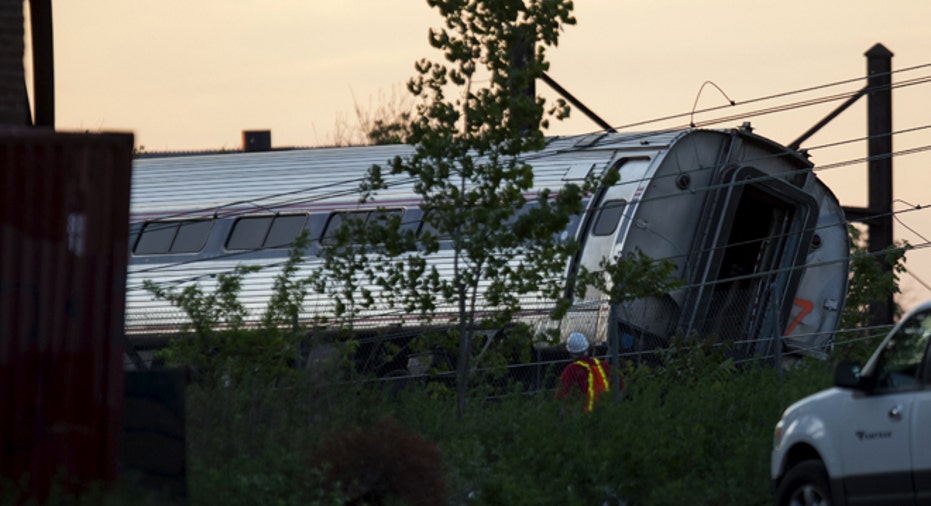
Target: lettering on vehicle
[[863, 435]]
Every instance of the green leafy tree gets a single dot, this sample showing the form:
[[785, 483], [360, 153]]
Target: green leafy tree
[[873, 278], [630, 277], [213, 318], [216, 343], [207, 311], [288, 291], [342, 274], [469, 174], [627, 278]]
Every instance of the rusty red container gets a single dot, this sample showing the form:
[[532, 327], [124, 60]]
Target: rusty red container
[[64, 206]]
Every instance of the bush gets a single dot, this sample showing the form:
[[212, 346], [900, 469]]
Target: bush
[[385, 462], [696, 431]]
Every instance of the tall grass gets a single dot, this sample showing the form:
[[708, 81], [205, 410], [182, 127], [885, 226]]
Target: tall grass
[[699, 434], [696, 431]]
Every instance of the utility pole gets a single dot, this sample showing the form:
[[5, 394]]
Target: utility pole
[[43, 62], [878, 213], [523, 52], [14, 99], [879, 120]]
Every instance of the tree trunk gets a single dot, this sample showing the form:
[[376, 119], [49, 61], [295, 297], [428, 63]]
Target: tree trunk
[[465, 352]]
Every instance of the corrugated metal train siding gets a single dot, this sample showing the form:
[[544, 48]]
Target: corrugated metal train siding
[[303, 180], [64, 203], [210, 183]]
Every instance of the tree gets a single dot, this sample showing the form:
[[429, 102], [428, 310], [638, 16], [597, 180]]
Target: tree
[[218, 344], [470, 177], [386, 123], [869, 284], [624, 279], [383, 121], [630, 277]]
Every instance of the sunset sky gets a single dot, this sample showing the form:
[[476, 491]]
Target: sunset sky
[[192, 75]]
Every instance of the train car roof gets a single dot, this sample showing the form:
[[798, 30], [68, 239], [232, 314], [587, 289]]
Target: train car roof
[[201, 184], [209, 183]]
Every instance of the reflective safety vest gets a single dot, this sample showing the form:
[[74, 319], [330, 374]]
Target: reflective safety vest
[[597, 381]]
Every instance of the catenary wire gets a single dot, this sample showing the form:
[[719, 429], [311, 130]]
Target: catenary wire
[[707, 122], [763, 98], [916, 150], [769, 97], [713, 187]]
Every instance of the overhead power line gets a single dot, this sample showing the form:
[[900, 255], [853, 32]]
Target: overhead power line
[[765, 98], [297, 201], [165, 267], [921, 80], [785, 107]]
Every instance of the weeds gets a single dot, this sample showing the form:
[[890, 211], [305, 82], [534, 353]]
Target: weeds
[[699, 436]]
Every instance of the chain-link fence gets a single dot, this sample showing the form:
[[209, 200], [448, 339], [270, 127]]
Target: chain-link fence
[[529, 354], [521, 357]]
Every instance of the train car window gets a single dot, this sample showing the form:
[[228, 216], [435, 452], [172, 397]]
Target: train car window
[[191, 236], [174, 236], [608, 217], [156, 237], [336, 222], [249, 232], [426, 226], [572, 228], [527, 208], [284, 230], [381, 217], [257, 232]]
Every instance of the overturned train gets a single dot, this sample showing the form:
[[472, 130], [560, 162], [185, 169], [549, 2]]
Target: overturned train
[[760, 243]]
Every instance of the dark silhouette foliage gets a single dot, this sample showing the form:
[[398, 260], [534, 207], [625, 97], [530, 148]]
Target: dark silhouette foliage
[[384, 463]]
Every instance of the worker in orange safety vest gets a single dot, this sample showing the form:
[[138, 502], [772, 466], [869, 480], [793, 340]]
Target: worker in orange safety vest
[[586, 377]]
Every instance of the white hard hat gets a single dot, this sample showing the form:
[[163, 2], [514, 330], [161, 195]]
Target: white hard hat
[[577, 343]]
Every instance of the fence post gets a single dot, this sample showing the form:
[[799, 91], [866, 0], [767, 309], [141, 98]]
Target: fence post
[[778, 352], [777, 335], [615, 352]]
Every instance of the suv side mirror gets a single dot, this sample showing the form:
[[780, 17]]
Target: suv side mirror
[[847, 375]]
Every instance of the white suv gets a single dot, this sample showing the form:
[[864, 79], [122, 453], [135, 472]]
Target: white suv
[[867, 440]]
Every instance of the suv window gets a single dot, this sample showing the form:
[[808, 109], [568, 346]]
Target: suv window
[[899, 364]]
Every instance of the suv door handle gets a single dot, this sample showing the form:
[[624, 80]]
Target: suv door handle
[[896, 412]]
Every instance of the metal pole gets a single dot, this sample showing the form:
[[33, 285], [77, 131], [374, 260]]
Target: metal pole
[[43, 62], [578, 105], [797, 143], [615, 352], [879, 124], [521, 54], [777, 332]]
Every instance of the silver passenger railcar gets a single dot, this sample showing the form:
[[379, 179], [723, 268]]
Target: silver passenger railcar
[[760, 242]]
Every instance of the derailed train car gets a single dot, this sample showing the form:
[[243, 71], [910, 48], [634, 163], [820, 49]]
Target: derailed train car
[[760, 243]]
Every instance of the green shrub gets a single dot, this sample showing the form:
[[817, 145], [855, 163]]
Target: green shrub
[[697, 430]]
